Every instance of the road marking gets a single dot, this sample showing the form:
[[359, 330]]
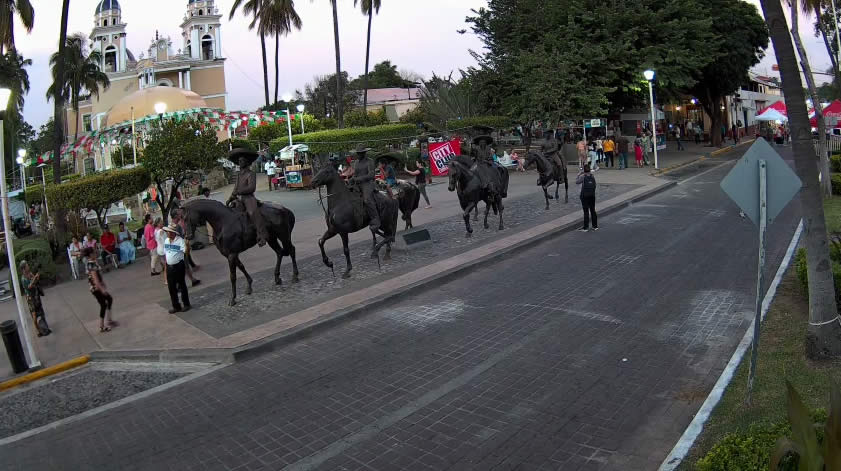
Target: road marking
[[682, 182], [583, 314], [695, 427], [371, 430]]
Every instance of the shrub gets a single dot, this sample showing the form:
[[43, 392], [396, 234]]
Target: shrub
[[338, 140], [835, 163], [836, 183], [495, 122], [33, 194], [751, 450], [236, 143], [356, 118], [38, 254], [329, 123], [414, 116]]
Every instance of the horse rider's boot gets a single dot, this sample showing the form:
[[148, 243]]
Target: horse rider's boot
[[373, 216]]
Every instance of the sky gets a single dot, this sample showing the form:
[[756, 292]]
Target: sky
[[418, 36]]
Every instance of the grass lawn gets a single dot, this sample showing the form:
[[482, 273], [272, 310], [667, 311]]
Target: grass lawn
[[781, 357], [832, 213]]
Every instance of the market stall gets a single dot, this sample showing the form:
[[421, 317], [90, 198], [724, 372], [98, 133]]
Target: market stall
[[298, 169]]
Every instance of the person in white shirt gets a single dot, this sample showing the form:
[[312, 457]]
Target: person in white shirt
[[160, 238], [270, 171], [174, 249]]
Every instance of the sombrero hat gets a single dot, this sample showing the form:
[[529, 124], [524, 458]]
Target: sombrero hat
[[483, 138], [360, 149], [171, 228], [235, 154]]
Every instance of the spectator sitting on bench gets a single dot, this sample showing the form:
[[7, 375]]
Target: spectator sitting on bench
[[108, 241]]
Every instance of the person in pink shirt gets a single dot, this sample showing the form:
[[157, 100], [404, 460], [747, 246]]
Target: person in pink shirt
[[151, 243]]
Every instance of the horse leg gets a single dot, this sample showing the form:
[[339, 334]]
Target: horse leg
[[374, 243], [557, 187], [466, 217], [566, 187], [476, 214], [501, 208], [487, 210], [346, 250], [328, 234], [232, 267], [546, 195], [247, 276], [279, 253]]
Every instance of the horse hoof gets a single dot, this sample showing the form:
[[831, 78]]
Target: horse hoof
[[487, 226], [294, 278], [550, 197], [329, 264], [278, 281], [468, 235], [232, 303], [248, 291], [346, 275]]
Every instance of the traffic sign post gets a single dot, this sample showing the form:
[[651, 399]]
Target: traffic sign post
[[747, 185]]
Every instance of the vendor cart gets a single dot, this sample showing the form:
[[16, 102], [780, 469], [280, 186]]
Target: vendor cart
[[298, 170]]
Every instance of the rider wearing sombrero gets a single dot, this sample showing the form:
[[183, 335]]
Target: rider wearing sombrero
[[244, 189], [363, 177], [483, 156]]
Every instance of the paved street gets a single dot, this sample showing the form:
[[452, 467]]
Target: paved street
[[586, 351]]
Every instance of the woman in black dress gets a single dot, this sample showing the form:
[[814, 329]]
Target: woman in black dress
[[100, 292], [31, 284]]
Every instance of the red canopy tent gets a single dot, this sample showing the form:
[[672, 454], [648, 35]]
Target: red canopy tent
[[779, 106], [832, 111]]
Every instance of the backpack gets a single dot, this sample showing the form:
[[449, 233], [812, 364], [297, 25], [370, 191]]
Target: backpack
[[588, 186]]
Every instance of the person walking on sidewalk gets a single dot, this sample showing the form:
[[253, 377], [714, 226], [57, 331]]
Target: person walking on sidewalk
[[100, 293], [31, 285], [176, 271], [270, 168], [609, 151], [622, 144], [646, 148], [677, 137], [600, 150], [151, 243], [581, 146], [588, 198], [160, 239]]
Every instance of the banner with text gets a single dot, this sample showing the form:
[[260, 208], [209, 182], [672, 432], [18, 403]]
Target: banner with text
[[440, 154]]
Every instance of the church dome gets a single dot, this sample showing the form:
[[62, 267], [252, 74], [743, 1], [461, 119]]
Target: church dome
[[143, 101], [105, 5]]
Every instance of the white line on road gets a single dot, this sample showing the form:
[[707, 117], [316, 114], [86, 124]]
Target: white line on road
[[695, 427], [683, 182]]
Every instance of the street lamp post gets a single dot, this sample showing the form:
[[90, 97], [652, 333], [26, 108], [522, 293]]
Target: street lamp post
[[287, 98], [160, 108], [649, 75], [301, 109], [23, 312], [21, 158]]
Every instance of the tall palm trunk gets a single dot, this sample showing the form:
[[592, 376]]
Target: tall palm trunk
[[823, 159], [824, 333], [826, 43], [340, 119], [367, 57], [276, 64], [58, 99], [265, 67]]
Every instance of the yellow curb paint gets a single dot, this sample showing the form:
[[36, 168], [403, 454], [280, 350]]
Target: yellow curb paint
[[28, 378]]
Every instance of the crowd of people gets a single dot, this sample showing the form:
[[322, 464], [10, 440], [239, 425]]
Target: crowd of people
[[612, 152]]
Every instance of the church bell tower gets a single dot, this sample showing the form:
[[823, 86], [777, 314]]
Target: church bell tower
[[201, 30]]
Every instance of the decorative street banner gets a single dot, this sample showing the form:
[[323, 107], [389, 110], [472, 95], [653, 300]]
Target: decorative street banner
[[440, 154]]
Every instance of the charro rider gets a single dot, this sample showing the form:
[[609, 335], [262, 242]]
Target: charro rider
[[549, 147], [244, 189], [363, 177], [483, 156]]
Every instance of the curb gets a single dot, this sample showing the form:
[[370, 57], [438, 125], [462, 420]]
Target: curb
[[276, 341], [707, 155], [55, 369]]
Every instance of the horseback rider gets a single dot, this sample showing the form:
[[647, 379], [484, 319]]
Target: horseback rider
[[363, 177], [483, 155], [550, 149], [244, 189]]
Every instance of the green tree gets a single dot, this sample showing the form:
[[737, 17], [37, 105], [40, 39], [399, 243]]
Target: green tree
[[97, 192], [384, 75], [358, 117], [443, 99], [253, 7], [13, 75], [43, 140], [824, 333], [82, 77], [320, 96], [8, 10], [175, 151], [369, 7], [278, 17], [745, 39]]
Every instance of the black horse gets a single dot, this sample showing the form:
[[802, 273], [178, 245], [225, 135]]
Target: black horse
[[234, 234], [346, 214], [549, 172], [408, 200], [464, 177]]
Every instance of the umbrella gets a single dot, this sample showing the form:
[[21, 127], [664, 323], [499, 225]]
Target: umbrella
[[770, 114], [389, 158]]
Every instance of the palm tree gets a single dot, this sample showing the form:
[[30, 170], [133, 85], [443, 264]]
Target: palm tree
[[369, 7], [824, 334], [13, 75], [340, 119], [252, 7], [82, 76], [278, 17], [25, 13], [58, 119]]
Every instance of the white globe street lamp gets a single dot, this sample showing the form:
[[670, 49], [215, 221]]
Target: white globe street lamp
[[23, 312], [649, 75], [301, 109], [21, 158]]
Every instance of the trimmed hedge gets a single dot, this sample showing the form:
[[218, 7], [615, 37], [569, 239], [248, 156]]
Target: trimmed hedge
[[99, 191], [835, 163], [338, 140], [836, 183], [39, 255]]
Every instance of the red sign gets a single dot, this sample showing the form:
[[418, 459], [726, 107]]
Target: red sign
[[440, 154]]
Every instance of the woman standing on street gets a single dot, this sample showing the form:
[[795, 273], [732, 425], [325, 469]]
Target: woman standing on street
[[638, 150], [420, 180], [588, 198], [31, 284], [100, 293], [582, 153], [151, 243]]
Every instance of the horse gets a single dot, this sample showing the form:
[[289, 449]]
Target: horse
[[345, 214], [549, 172], [234, 234], [464, 177]]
